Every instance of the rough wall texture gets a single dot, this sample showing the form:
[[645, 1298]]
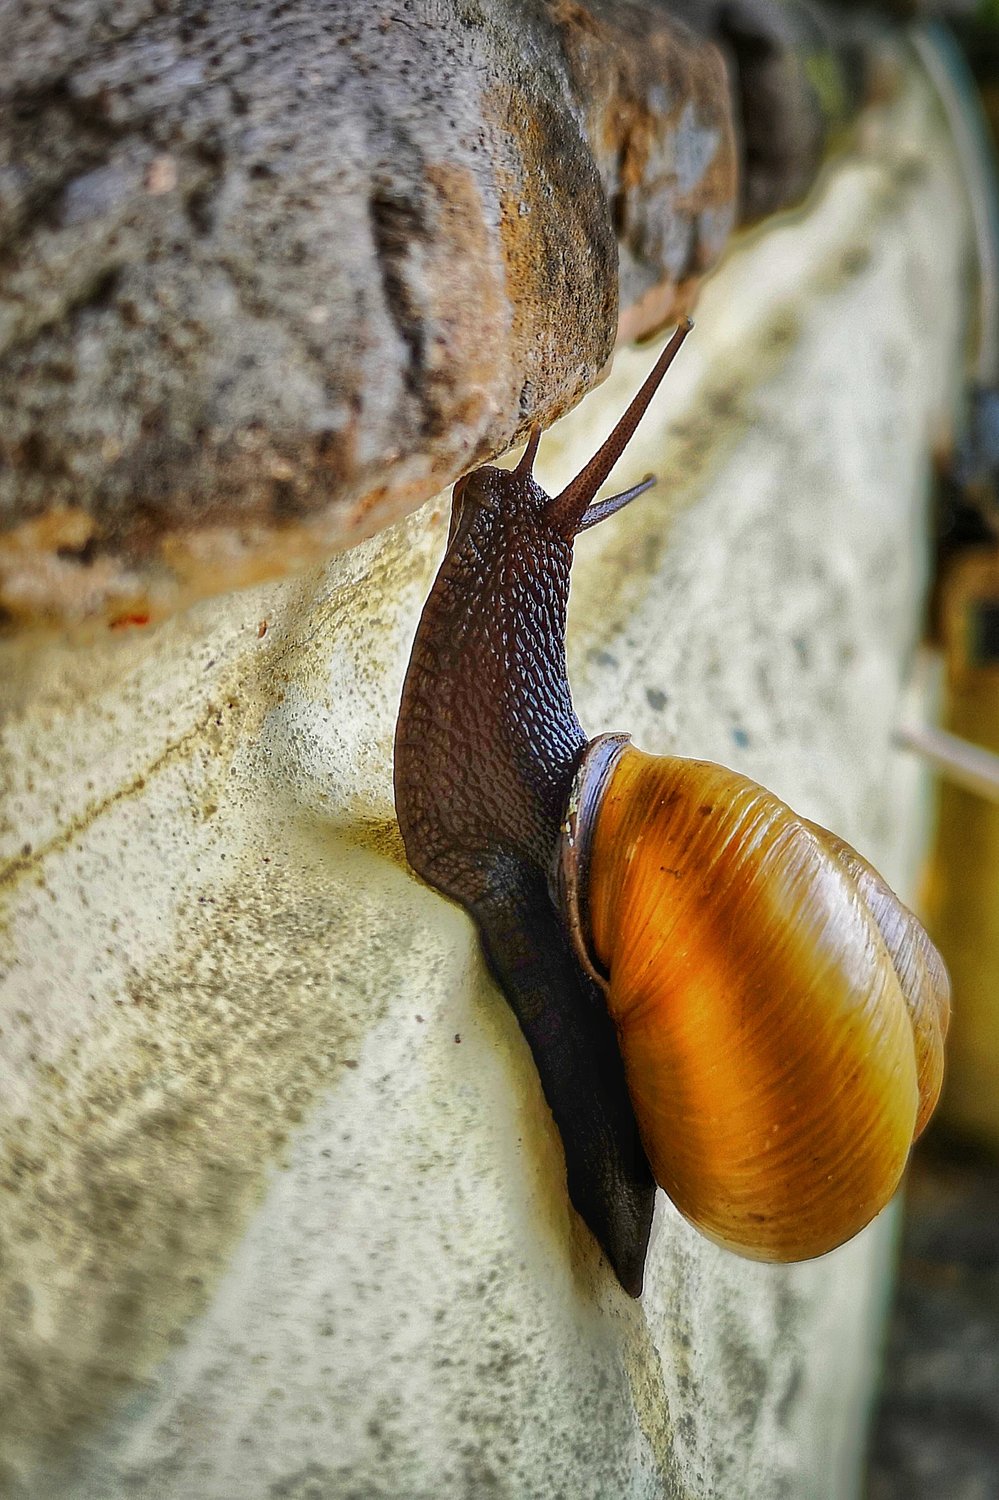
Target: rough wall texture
[[283, 1212], [271, 274]]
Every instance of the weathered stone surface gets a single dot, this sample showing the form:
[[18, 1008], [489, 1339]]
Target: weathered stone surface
[[276, 272], [283, 1211], [271, 273]]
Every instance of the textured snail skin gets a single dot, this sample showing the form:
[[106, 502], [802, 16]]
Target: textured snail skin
[[486, 748], [781, 1015]]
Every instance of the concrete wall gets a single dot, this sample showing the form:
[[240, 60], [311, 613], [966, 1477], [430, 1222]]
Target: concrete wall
[[283, 1211]]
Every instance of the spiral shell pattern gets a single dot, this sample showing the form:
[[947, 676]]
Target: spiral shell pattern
[[780, 1014]]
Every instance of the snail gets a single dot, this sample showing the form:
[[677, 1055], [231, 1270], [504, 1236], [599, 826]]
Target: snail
[[720, 997]]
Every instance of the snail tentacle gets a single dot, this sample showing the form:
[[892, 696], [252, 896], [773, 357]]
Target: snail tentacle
[[601, 509], [565, 512], [530, 453]]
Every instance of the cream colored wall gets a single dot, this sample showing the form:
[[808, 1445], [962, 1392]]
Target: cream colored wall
[[283, 1209]]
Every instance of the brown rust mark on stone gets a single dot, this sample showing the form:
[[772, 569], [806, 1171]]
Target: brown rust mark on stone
[[64, 527], [470, 309], [86, 595], [562, 268], [659, 117]]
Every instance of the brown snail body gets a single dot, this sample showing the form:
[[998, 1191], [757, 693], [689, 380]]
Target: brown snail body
[[718, 995]]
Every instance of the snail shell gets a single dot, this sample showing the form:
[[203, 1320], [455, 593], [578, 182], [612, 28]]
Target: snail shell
[[780, 1014]]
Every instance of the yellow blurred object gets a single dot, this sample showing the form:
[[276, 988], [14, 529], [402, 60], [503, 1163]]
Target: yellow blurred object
[[963, 900]]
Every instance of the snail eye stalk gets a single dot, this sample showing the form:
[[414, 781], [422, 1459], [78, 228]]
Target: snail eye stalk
[[530, 453], [567, 510], [601, 509]]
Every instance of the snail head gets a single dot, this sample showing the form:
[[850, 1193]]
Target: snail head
[[517, 496]]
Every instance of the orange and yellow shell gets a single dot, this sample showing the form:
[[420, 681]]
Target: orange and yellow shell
[[781, 1015]]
